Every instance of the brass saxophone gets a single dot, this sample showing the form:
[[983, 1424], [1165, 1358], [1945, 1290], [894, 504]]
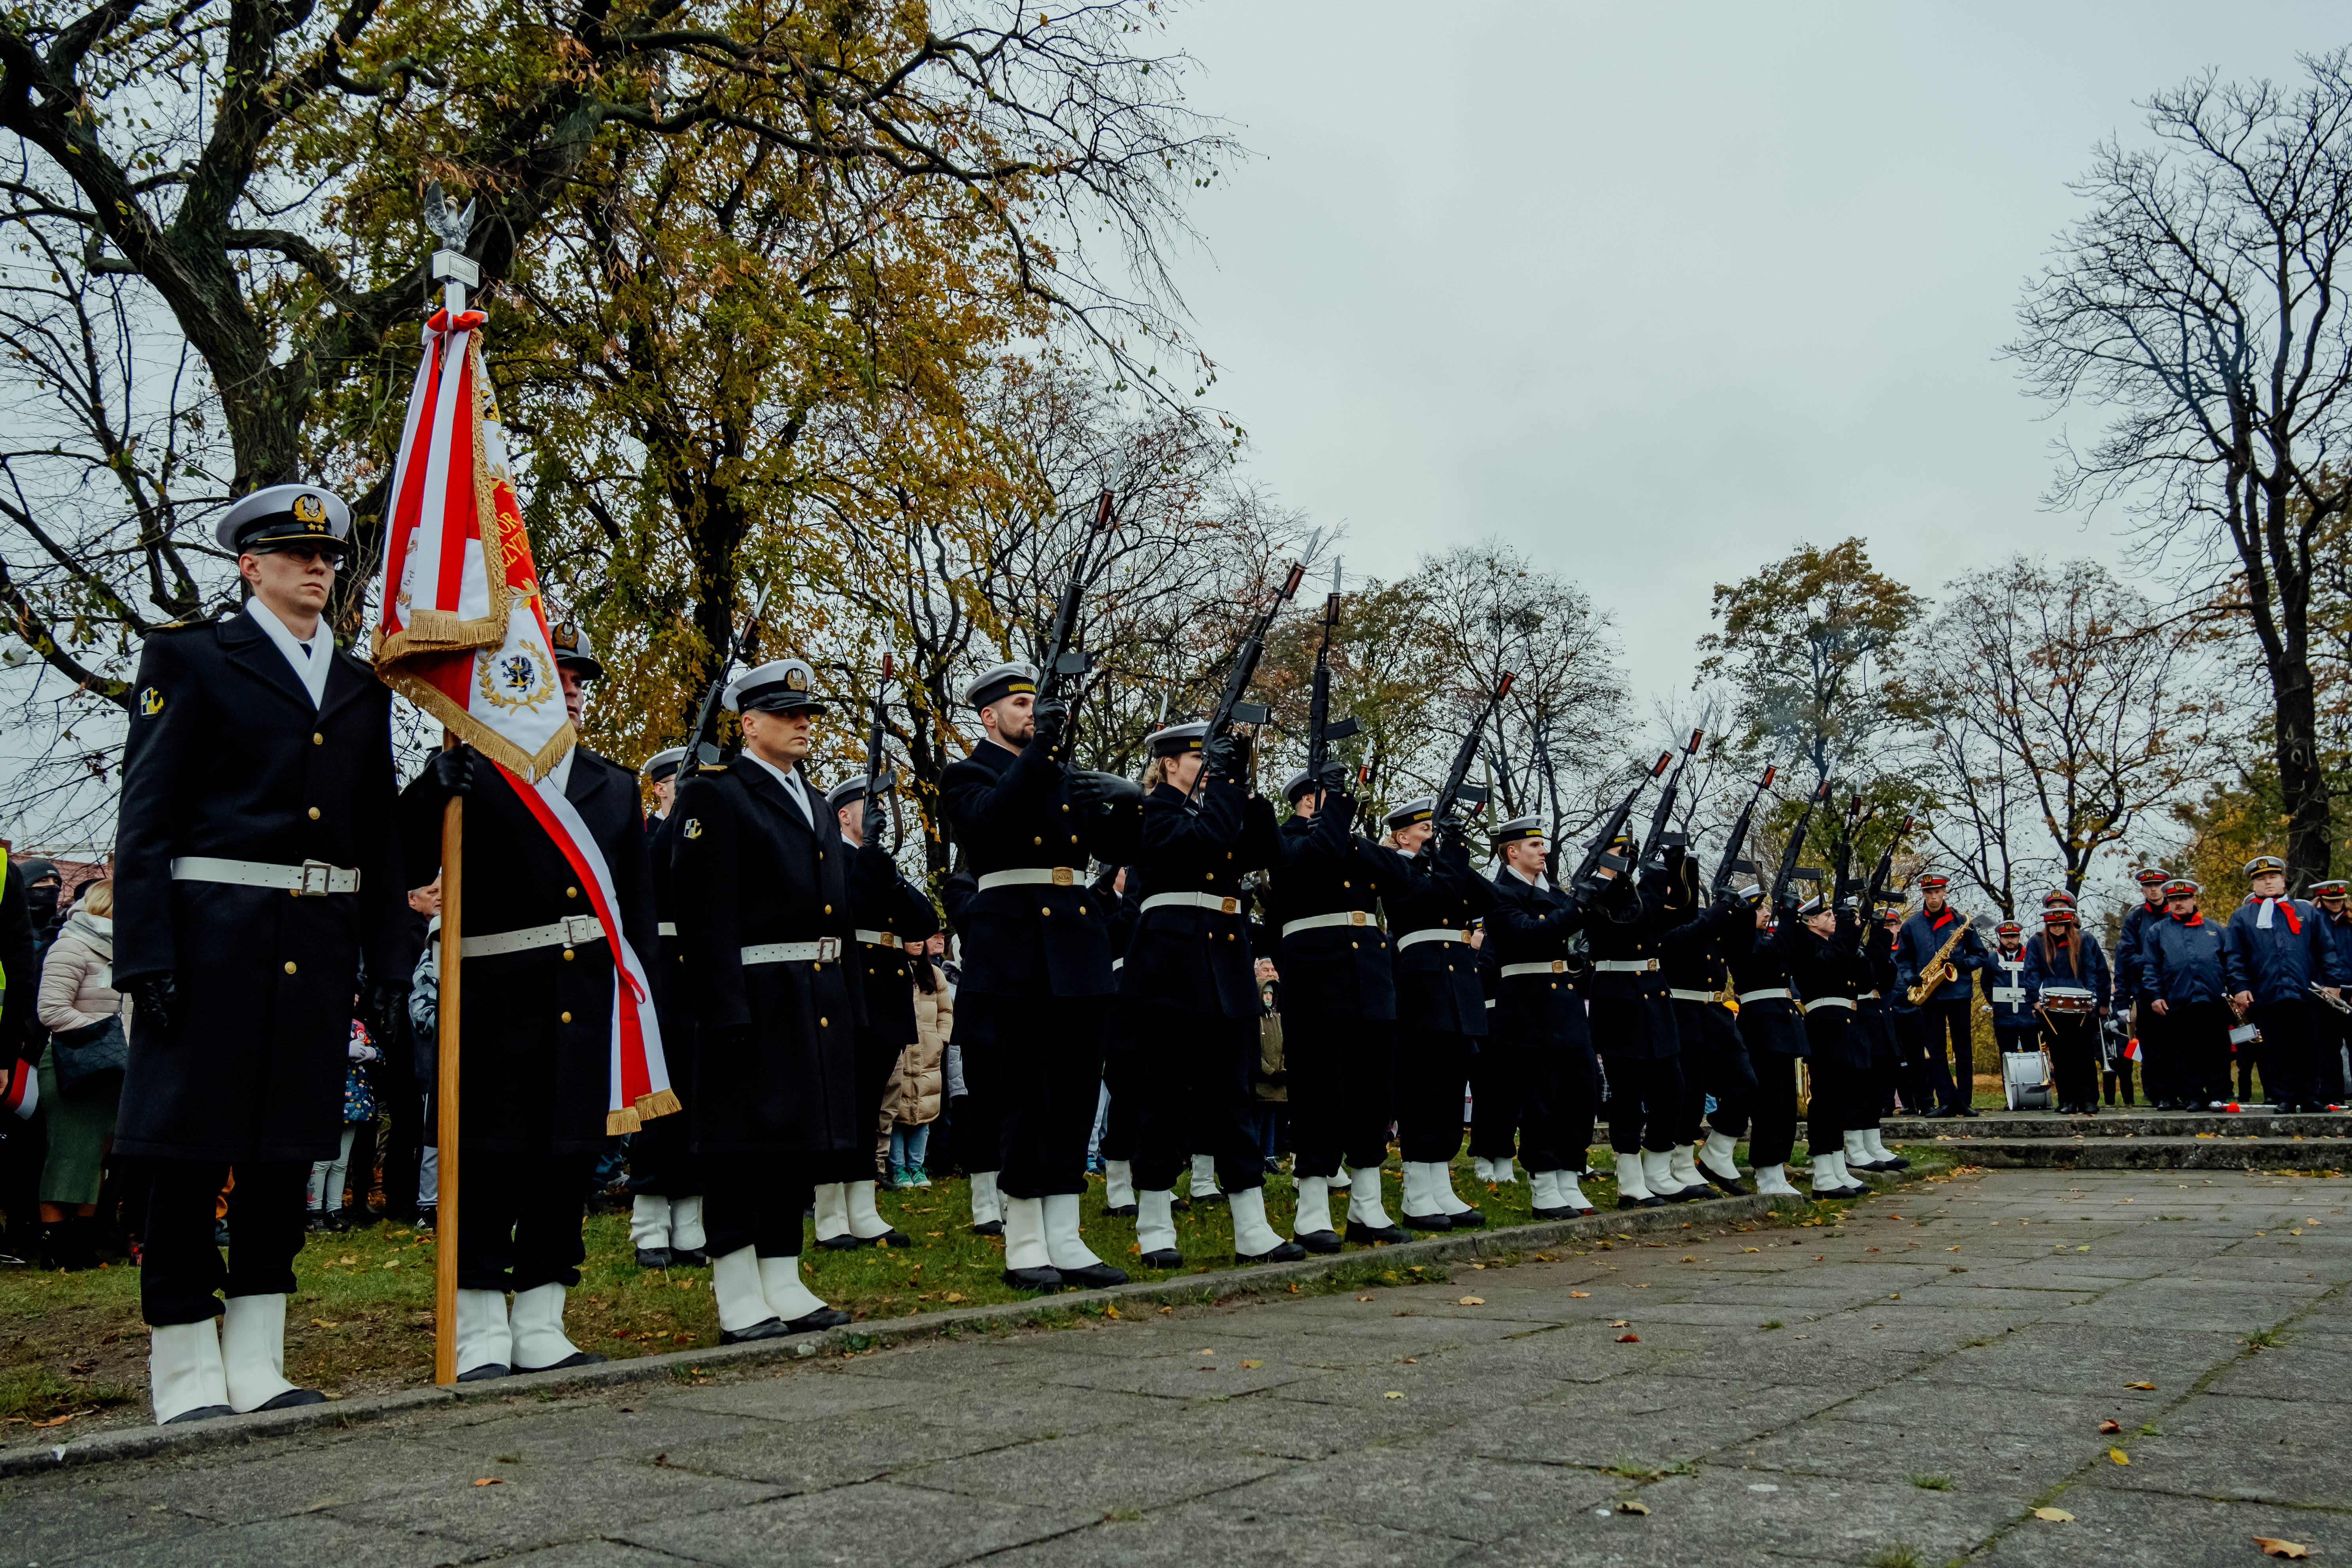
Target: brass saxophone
[[1939, 968]]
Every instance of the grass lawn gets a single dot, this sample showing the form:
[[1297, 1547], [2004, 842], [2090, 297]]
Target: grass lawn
[[73, 1356]]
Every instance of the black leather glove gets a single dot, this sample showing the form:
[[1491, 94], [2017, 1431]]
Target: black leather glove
[[1221, 758], [1091, 788], [453, 770], [384, 1009], [1053, 717], [1336, 778], [1450, 834], [158, 1000], [875, 822]]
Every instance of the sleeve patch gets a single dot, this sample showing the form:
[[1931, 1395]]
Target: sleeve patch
[[151, 702]]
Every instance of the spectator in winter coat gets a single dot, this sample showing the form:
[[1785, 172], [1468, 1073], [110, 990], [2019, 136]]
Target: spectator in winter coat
[[2181, 972], [76, 991], [911, 1100]]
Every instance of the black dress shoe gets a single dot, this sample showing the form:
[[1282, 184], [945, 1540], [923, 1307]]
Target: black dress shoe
[[213, 1413], [771, 1329], [1893, 1162], [1093, 1276], [1428, 1221], [1165, 1258], [891, 1237], [1968, 1110], [1468, 1219], [1120, 1211], [1541, 1213], [1682, 1194], [293, 1398], [1318, 1240], [1281, 1252], [822, 1318], [688, 1257], [1652, 1202], [1033, 1278], [1938, 1113], [577, 1358], [844, 1242], [993, 1228], [1376, 1234], [655, 1257], [484, 1372]]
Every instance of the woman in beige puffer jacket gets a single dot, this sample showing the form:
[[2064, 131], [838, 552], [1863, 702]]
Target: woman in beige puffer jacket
[[910, 1103], [78, 990]]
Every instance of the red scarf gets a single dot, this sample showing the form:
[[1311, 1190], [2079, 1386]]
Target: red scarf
[[2196, 920]]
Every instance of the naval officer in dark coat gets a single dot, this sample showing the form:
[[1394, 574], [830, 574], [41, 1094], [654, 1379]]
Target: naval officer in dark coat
[[1537, 1025], [257, 862], [665, 1180], [535, 1016]]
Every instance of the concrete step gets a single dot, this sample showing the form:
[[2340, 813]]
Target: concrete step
[[2257, 1120], [2209, 1153]]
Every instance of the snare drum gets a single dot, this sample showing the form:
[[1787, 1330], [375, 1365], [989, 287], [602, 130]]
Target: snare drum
[[2069, 999]]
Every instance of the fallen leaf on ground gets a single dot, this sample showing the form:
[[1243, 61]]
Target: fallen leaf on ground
[[60, 1420], [2054, 1515], [1580, 1295], [1363, 1298], [2273, 1547], [2119, 1457], [1472, 1302], [1633, 1508], [1751, 1249], [325, 1322], [2147, 1385], [1393, 1393], [2110, 1425], [1629, 1339], [490, 1481], [1250, 1363], [955, 1296]]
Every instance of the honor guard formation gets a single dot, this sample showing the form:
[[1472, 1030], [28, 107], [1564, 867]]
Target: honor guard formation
[[1118, 941]]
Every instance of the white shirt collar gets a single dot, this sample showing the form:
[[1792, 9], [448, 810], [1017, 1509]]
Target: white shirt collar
[[311, 660], [791, 779], [1531, 880], [562, 772]]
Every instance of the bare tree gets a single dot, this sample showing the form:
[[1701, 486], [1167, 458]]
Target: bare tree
[[2198, 305]]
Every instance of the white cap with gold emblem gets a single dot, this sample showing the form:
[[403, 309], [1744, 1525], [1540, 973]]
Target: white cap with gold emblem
[[282, 515], [778, 686]]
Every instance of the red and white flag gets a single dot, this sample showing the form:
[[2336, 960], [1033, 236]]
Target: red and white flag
[[464, 636]]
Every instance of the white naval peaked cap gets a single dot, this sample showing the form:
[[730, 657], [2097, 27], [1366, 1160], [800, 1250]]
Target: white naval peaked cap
[[1412, 811], [285, 514], [664, 764], [1171, 740], [1000, 681], [780, 685], [1519, 828]]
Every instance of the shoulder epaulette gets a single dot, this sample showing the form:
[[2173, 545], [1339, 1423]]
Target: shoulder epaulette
[[178, 627]]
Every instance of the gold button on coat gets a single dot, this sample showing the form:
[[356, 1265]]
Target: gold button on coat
[[289, 966], [571, 893], [567, 1017], [568, 956], [317, 739], [314, 814]]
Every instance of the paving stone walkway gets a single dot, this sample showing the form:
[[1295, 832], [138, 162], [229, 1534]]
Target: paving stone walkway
[[1906, 1387]]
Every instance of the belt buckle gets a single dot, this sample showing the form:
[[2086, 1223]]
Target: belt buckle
[[1653, 966], [1355, 917], [1228, 906], [314, 879], [1560, 966], [828, 947], [579, 928], [1064, 876]]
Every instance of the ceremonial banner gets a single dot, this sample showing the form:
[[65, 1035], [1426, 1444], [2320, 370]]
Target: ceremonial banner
[[464, 635]]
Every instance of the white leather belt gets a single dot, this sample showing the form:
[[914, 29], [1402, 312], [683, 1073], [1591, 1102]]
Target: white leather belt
[[1435, 934], [817, 952], [572, 931], [1116, 965], [311, 879], [1818, 1003], [666, 928], [1681, 994], [1771, 994], [1210, 901], [877, 938], [1032, 876], [1490, 1001], [2012, 993], [1317, 923], [1557, 966], [1870, 996], [1625, 965]]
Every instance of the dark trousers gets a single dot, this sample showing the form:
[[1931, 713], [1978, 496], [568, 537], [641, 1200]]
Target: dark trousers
[[2007, 1038], [1315, 1056], [1196, 1097], [2074, 1039], [2158, 1074], [1123, 1076], [1773, 1138], [1432, 1066], [518, 1219], [183, 1276], [977, 1122], [1047, 1058], [1556, 1093], [870, 1076], [1838, 1091], [757, 1201], [1494, 1100], [1937, 1026], [662, 1161], [1715, 1062], [2197, 1036], [2289, 1050], [1645, 1102], [23, 1147]]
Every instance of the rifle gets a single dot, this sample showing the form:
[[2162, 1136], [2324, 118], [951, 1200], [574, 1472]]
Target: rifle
[[1664, 813], [1062, 661], [875, 780], [1844, 853], [1596, 854], [1457, 786], [1886, 870], [1795, 846], [704, 752], [1321, 729], [1231, 709], [1551, 790], [1731, 861]]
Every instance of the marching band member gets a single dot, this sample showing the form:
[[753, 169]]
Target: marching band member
[[2275, 951], [1944, 1015], [1191, 987], [2180, 973], [2006, 995], [2332, 1027], [1441, 1008], [1538, 1025], [2065, 954], [664, 1181], [258, 766], [2157, 1076], [1038, 972], [1339, 1034]]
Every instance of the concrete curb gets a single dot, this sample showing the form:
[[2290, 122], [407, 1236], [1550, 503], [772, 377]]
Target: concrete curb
[[1190, 1290]]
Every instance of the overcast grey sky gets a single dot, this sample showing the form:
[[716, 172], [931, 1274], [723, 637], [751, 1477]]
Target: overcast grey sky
[[1657, 291]]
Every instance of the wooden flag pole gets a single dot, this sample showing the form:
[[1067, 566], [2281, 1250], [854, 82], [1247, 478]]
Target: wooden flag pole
[[444, 1198]]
